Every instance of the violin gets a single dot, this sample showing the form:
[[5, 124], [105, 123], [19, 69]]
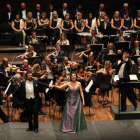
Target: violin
[[95, 63], [43, 72], [28, 67], [68, 63], [53, 65], [109, 70], [62, 83], [83, 73]]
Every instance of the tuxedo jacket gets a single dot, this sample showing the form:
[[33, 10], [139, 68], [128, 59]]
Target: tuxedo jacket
[[133, 51], [35, 13], [97, 13], [60, 54], [90, 38], [36, 87], [135, 70], [30, 39], [48, 14], [60, 13], [6, 16], [105, 31], [122, 12], [20, 11]]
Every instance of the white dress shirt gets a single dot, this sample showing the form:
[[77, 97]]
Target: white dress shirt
[[105, 24], [50, 76], [24, 14], [50, 15], [38, 15], [64, 12], [137, 49], [9, 14], [29, 89]]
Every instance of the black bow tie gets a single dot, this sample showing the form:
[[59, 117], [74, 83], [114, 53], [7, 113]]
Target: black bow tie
[[64, 9]]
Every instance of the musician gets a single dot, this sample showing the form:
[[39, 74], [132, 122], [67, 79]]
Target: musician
[[125, 9], [50, 12], [100, 10], [86, 54], [30, 23], [29, 52], [63, 75], [123, 70], [90, 23], [63, 40], [136, 49], [9, 14], [29, 90], [137, 21], [127, 22], [23, 11], [137, 67], [120, 37], [116, 22], [62, 12], [67, 27], [55, 25], [19, 34], [34, 39], [105, 26], [38, 11]]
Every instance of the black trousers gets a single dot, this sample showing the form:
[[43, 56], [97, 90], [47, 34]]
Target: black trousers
[[3, 115], [31, 107], [127, 91], [56, 33]]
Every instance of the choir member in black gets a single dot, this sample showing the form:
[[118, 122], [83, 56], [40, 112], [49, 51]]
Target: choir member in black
[[101, 19], [136, 69], [9, 14], [30, 23], [78, 10], [100, 10], [136, 49], [125, 9], [44, 23], [127, 22], [55, 25], [86, 54], [137, 21], [50, 12], [67, 27], [23, 11], [62, 12], [18, 26], [105, 26], [29, 90], [34, 39], [37, 13], [63, 40], [116, 22], [90, 23], [120, 37], [123, 69]]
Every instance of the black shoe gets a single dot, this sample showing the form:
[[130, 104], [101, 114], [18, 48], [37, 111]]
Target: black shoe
[[36, 130], [29, 129], [135, 107]]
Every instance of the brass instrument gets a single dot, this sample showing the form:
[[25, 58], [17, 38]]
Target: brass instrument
[[33, 41]]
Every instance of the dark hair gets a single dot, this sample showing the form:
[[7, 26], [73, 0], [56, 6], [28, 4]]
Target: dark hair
[[28, 73], [120, 30], [33, 32], [79, 67], [17, 14], [91, 14], [56, 77], [72, 74]]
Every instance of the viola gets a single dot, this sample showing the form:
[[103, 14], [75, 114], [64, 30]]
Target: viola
[[28, 67], [43, 72], [95, 63]]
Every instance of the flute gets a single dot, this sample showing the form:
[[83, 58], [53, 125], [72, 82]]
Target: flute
[[80, 52]]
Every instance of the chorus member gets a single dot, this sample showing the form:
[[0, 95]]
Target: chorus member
[[86, 54], [9, 14], [62, 12], [90, 23], [34, 39], [29, 90], [78, 10], [18, 30], [101, 19], [127, 22], [68, 124], [30, 23], [50, 12], [67, 27], [38, 11], [100, 10], [55, 25], [23, 11], [125, 9], [105, 26], [120, 37], [79, 24], [116, 22], [29, 52], [63, 40], [137, 21], [126, 90], [136, 49], [44, 23]]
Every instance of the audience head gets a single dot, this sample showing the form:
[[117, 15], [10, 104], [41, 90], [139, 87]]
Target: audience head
[[65, 5], [17, 78], [126, 14], [101, 7], [37, 7], [23, 5], [51, 7], [17, 16], [5, 62], [43, 15], [79, 15], [90, 16], [103, 14], [29, 15], [67, 16], [79, 7]]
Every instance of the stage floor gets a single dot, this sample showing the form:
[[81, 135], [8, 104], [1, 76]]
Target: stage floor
[[98, 130]]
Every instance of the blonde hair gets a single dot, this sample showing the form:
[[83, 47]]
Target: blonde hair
[[30, 47], [44, 14], [25, 60], [63, 35], [102, 14], [35, 67], [80, 14], [55, 12], [27, 20], [108, 63], [67, 15], [117, 12]]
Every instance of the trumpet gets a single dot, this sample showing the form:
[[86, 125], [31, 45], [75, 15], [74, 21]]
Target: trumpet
[[84, 52]]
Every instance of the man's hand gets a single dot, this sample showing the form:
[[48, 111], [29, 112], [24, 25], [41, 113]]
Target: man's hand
[[9, 98], [52, 86]]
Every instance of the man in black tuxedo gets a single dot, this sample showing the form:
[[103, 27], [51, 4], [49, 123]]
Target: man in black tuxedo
[[23, 11], [29, 90], [105, 27], [125, 9], [136, 69], [33, 39], [8, 14], [37, 13], [50, 11], [62, 12], [78, 10], [100, 10], [123, 69], [136, 49]]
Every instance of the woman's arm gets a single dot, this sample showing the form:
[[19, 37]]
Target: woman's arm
[[13, 24], [62, 87], [72, 26], [67, 43], [87, 24], [35, 24], [91, 53], [81, 92], [34, 54], [23, 56], [87, 78], [62, 26], [121, 24], [75, 25], [94, 25], [39, 23], [132, 23], [50, 25], [98, 22], [112, 24], [25, 25], [135, 24]]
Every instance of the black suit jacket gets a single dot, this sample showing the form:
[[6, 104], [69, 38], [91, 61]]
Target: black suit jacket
[[135, 70], [6, 16], [90, 38], [35, 13], [30, 39], [20, 11], [60, 13], [48, 14], [105, 31], [107, 51], [60, 54], [122, 12], [97, 13], [2, 68], [117, 38], [133, 51], [36, 87]]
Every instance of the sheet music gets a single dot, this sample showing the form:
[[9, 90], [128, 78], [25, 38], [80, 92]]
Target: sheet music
[[133, 77], [7, 88], [116, 78], [47, 89], [89, 86]]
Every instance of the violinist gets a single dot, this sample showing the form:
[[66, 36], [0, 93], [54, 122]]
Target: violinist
[[86, 54], [64, 76], [29, 52]]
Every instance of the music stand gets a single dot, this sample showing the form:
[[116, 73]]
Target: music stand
[[34, 60], [135, 57], [123, 45], [112, 58], [60, 59], [103, 79], [40, 32], [100, 58], [96, 48], [39, 47]]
